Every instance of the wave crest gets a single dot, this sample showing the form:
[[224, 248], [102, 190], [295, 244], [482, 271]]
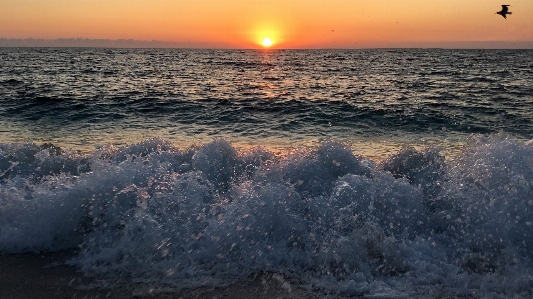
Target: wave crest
[[210, 215]]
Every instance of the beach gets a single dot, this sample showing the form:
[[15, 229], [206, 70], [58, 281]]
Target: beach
[[45, 275]]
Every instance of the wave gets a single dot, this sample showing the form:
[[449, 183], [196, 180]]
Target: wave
[[412, 225], [273, 114]]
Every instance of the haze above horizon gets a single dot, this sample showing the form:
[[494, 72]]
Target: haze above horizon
[[297, 24]]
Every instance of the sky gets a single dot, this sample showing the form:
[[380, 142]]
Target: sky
[[288, 23]]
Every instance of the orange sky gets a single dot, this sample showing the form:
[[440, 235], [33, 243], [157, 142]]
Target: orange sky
[[289, 23]]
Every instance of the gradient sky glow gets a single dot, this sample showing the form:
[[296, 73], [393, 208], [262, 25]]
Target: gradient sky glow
[[289, 23]]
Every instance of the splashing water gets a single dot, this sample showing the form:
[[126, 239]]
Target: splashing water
[[412, 225]]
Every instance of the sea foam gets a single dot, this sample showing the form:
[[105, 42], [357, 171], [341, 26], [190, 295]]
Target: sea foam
[[412, 225]]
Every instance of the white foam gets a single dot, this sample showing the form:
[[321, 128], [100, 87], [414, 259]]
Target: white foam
[[410, 226]]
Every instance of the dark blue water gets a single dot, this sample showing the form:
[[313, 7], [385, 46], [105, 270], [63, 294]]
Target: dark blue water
[[91, 97], [255, 167]]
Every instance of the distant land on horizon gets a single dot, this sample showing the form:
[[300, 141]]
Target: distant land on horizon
[[100, 43], [131, 43]]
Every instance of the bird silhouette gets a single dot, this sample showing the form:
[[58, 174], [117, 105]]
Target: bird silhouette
[[505, 11]]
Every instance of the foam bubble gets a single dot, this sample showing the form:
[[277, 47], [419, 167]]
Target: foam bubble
[[413, 225]]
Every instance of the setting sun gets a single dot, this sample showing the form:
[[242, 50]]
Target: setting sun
[[267, 42], [242, 24]]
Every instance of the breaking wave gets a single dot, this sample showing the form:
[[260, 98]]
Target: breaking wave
[[413, 225]]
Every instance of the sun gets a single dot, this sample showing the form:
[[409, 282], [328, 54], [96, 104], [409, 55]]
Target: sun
[[267, 42]]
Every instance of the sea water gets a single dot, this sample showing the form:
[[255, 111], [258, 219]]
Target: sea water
[[381, 173]]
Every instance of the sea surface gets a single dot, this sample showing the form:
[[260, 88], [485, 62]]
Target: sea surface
[[376, 101], [385, 173]]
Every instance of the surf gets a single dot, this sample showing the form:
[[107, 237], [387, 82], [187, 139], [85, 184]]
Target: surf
[[415, 224]]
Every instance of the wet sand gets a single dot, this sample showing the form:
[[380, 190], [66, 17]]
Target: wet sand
[[44, 276]]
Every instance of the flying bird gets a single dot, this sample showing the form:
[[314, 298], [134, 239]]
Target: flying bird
[[505, 11]]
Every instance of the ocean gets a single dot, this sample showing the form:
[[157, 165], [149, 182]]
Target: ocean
[[385, 173]]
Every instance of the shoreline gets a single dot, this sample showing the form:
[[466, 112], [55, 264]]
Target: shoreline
[[46, 276]]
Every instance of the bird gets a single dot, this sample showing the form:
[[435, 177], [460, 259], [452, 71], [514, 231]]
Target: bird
[[505, 11]]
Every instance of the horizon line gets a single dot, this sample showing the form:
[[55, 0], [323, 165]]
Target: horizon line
[[161, 44]]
